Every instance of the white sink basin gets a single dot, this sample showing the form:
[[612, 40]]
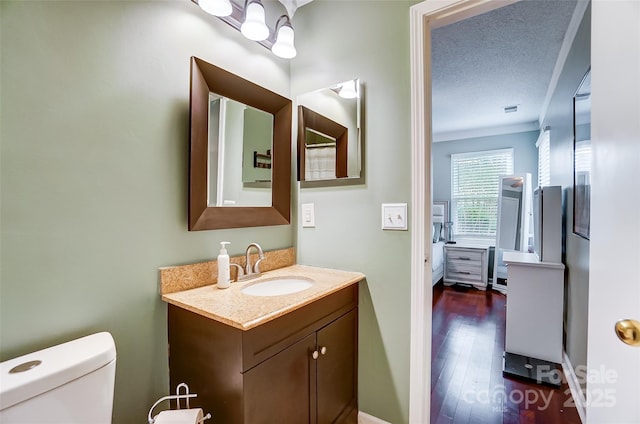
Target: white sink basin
[[278, 286]]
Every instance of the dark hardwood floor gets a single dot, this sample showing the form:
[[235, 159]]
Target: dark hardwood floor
[[467, 385]]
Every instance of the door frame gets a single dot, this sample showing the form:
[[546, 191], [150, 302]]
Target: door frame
[[424, 17]]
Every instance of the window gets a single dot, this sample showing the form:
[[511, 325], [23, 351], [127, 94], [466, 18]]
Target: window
[[474, 191], [544, 158]]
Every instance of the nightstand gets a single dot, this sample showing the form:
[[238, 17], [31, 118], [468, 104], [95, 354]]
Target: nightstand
[[466, 265]]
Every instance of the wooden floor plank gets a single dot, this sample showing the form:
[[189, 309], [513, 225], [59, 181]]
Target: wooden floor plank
[[467, 384]]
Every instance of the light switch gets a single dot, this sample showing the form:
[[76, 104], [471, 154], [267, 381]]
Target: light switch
[[394, 216], [308, 215]]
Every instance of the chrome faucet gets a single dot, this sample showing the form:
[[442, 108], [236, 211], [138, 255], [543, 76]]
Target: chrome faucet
[[249, 271]]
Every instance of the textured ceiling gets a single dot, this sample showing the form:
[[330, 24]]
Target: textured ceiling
[[501, 58]]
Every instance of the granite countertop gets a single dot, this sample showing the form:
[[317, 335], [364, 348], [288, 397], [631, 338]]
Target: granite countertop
[[232, 307]]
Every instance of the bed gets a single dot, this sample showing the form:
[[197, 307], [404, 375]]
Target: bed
[[440, 215]]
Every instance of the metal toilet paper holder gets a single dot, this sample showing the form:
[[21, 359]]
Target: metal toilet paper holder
[[178, 396]]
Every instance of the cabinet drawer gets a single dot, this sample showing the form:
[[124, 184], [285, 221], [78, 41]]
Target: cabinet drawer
[[464, 256], [464, 277], [464, 268], [264, 341]]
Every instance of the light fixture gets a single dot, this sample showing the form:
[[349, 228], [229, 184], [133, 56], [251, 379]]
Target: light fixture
[[347, 90], [216, 7], [251, 22], [283, 46], [254, 27]]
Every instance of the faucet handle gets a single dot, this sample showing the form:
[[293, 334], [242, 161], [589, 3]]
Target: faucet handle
[[240, 271], [256, 266]]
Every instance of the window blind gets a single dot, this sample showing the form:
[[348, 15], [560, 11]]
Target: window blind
[[474, 190], [583, 157], [544, 158]]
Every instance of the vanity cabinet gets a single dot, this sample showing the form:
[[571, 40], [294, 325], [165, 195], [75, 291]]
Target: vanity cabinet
[[298, 368], [466, 265]]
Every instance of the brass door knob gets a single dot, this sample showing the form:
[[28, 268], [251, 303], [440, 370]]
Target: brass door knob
[[628, 330]]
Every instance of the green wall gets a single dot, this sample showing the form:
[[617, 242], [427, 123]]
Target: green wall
[[94, 174], [367, 40]]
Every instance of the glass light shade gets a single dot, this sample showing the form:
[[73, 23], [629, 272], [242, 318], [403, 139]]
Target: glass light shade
[[253, 26], [348, 90], [283, 47], [216, 7]]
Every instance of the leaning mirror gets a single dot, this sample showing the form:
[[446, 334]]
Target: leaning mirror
[[240, 156], [513, 224], [330, 145]]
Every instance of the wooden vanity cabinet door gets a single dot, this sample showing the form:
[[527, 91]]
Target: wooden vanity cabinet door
[[281, 389], [337, 376], [207, 356]]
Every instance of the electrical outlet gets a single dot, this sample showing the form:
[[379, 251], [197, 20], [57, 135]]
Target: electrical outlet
[[308, 215]]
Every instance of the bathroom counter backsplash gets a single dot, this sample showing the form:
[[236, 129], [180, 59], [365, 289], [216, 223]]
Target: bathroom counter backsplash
[[243, 311], [190, 276]]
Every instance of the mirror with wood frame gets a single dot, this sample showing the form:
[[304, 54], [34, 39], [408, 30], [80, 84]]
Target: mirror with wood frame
[[330, 142], [317, 133], [209, 81]]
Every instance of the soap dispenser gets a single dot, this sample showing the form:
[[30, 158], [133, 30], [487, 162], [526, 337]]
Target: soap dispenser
[[224, 276]]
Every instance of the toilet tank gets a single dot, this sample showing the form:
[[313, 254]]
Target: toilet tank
[[69, 383]]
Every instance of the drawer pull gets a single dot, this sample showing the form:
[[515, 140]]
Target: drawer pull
[[464, 272], [323, 351], [315, 354], [464, 258]]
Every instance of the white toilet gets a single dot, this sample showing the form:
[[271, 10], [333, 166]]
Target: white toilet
[[69, 383]]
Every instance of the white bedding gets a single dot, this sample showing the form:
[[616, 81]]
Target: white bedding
[[439, 215], [437, 262], [437, 258]]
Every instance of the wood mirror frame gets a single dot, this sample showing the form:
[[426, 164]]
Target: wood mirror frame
[[308, 119], [206, 78]]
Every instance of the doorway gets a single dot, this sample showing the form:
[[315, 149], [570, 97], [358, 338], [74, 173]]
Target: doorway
[[613, 21], [423, 18]]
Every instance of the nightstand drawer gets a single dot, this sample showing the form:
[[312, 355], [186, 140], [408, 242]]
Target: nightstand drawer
[[464, 256], [465, 276], [464, 267]]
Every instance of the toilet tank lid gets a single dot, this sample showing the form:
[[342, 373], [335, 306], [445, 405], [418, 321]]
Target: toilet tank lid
[[59, 365]]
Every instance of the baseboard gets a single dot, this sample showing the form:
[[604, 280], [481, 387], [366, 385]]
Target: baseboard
[[364, 418], [574, 385]]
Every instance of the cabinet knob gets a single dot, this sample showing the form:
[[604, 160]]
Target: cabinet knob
[[323, 350], [315, 355]]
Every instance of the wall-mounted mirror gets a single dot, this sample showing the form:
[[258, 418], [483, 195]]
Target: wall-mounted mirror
[[330, 136], [582, 158], [240, 156], [514, 223]]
